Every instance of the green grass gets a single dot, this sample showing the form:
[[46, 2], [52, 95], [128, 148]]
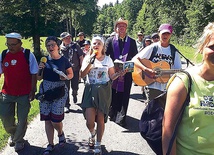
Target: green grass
[[27, 43]]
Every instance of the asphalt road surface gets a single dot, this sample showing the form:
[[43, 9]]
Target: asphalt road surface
[[116, 140]]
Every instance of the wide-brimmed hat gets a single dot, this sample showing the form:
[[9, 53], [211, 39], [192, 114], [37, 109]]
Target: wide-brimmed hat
[[64, 35], [120, 20], [14, 35], [165, 28]]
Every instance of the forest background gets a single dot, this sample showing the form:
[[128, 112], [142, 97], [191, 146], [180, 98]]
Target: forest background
[[38, 18]]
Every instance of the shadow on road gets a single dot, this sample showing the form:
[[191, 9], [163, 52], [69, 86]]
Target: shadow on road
[[69, 149]]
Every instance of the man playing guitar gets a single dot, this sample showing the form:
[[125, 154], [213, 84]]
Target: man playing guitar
[[162, 53]]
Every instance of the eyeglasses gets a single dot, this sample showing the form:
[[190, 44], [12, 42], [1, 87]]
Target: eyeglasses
[[51, 45], [155, 37], [211, 47], [11, 45], [140, 35]]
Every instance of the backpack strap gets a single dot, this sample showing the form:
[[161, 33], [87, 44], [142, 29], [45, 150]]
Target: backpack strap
[[172, 49], [186, 102], [154, 51], [26, 53], [3, 54]]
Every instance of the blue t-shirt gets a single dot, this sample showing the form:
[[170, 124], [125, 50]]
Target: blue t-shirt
[[61, 64]]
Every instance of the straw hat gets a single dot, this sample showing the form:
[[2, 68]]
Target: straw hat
[[120, 20]]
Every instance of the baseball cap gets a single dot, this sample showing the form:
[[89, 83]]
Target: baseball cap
[[81, 34], [165, 28], [87, 42], [154, 35], [148, 38], [140, 33], [64, 35], [14, 35]]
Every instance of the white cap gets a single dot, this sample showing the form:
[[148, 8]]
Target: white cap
[[98, 38], [14, 35]]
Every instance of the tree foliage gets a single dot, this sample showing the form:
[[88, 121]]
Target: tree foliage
[[35, 18]]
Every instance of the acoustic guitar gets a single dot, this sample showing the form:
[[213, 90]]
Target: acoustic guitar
[[162, 69]]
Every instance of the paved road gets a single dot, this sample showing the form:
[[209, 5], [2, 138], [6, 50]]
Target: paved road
[[116, 140]]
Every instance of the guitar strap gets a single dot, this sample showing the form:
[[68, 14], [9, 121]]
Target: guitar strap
[[173, 51]]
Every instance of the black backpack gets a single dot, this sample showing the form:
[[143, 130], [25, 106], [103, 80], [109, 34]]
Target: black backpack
[[26, 53], [150, 123]]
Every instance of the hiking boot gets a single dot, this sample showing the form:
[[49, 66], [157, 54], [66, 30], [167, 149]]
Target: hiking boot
[[19, 146]]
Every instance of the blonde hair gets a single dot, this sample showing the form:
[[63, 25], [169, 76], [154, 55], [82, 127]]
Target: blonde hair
[[205, 38]]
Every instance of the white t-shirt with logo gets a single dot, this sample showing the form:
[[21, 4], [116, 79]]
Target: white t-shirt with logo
[[99, 73]]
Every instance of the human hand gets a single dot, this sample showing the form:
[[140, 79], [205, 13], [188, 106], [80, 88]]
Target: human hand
[[31, 96], [150, 73]]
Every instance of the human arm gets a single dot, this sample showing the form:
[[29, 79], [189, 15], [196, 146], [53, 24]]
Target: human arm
[[114, 75], [87, 65], [41, 67], [176, 96], [33, 87], [148, 71], [69, 74]]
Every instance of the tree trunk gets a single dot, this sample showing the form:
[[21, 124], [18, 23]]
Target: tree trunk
[[36, 47]]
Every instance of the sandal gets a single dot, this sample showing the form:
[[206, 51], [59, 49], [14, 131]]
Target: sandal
[[97, 150], [62, 140], [48, 150], [91, 141]]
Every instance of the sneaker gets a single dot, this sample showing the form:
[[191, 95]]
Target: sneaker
[[66, 110], [48, 150], [62, 140], [19, 146], [97, 150], [11, 142], [75, 99]]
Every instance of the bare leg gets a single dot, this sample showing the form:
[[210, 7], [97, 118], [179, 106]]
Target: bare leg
[[58, 126], [100, 125], [90, 114], [49, 129]]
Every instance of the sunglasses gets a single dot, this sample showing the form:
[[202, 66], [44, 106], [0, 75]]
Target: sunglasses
[[211, 47]]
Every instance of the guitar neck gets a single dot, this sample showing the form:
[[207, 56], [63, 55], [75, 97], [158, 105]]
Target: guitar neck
[[169, 71]]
